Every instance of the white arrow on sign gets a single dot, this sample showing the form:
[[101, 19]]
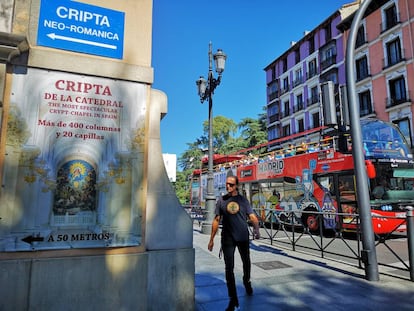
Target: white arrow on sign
[[54, 36]]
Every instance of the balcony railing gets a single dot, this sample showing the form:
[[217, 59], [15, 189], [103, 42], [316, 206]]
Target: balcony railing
[[273, 96], [297, 82], [389, 61], [390, 23], [274, 118], [312, 100], [361, 41], [394, 101], [328, 62], [311, 74], [298, 107], [286, 113], [284, 90], [366, 111], [362, 75]]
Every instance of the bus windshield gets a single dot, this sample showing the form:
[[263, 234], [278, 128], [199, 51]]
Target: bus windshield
[[386, 147], [382, 140], [392, 184]]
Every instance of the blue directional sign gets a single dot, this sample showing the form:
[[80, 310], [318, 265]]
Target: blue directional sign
[[80, 27]]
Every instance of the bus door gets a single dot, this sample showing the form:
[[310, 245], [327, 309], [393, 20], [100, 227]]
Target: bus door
[[337, 195], [347, 203]]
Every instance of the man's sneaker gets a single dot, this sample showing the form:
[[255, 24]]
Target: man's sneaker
[[248, 287], [233, 306]]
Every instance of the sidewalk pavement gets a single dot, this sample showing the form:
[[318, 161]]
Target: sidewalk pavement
[[291, 281]]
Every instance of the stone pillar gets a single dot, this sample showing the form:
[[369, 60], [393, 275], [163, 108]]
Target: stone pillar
[[88, 112]]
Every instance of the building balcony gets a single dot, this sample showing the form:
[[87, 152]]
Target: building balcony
[[328, 62], [396, 101], [274, 118], [297, 82], [390, 23], [311, 74], [362, 76], [361, 41], [272, 96], [312, 100], [284, 90], [285, 113], [298, 107], [366, 111], [391, 61]]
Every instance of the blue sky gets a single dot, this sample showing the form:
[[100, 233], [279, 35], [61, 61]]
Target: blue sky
[[251, 33]]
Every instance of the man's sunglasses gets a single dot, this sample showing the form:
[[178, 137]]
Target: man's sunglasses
[[230, 184]]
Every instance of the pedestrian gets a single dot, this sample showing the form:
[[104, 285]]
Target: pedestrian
[[234, 209]]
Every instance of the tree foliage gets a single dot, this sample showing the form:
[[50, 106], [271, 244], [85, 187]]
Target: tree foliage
[[223, 130], [252, 132], [228, 137]]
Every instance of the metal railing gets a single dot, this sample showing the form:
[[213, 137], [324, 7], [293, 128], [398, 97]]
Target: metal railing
[[340, 243], [196, 213], [395, 249]]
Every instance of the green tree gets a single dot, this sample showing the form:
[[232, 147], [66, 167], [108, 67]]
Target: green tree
[[182, 186], [191, 158], [252, 132], [232, 145], [223, 130]]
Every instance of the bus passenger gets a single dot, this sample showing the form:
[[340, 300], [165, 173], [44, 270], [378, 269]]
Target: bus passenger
[[400, 148], [280, 154], [372, 143], [313, 147], [291, 150], [303, 147], [380, 190], [385, 141]]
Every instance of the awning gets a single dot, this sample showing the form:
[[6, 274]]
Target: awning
[[407, 173]]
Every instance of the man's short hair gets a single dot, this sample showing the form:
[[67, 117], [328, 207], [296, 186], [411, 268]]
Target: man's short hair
[[236, 179]]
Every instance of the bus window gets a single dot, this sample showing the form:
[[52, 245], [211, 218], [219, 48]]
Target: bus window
[[346, 188], [397, 184], [408, 184]]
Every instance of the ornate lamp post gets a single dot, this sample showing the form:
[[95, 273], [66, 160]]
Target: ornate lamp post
[[205, 91]]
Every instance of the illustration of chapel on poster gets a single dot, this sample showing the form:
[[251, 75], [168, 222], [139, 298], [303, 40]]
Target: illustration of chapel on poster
[[72, 169]]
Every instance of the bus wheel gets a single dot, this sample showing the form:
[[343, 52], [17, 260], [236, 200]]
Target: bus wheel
[[310, 221]]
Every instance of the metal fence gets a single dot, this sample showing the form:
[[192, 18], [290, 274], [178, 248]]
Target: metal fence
[[394, 249], [196, 213]]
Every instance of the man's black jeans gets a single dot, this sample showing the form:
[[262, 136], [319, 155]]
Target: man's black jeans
[[229, 246]]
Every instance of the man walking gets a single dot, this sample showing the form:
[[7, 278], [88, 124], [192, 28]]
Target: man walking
[[234, 209]]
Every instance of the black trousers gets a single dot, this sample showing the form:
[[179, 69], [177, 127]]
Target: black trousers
[[229, 246]]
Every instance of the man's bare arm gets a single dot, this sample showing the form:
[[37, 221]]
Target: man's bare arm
[[214, 229], [255, 222]]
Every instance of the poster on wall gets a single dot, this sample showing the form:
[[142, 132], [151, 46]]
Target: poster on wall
[[72, 171]]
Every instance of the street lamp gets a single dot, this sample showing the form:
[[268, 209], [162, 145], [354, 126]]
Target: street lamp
[[205, 91], [368, 253]]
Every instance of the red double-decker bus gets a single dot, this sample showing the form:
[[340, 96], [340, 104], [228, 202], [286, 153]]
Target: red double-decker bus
[[317, 179]]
